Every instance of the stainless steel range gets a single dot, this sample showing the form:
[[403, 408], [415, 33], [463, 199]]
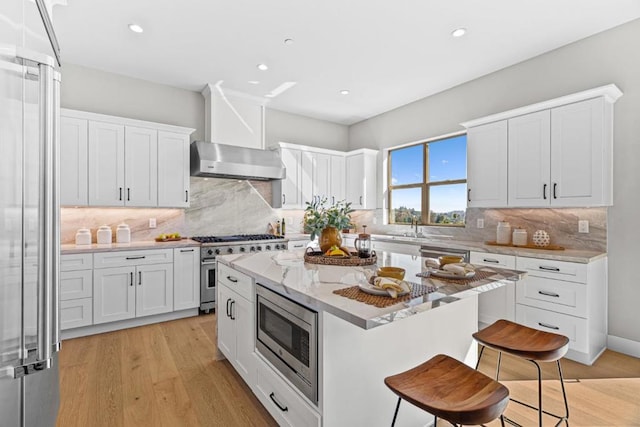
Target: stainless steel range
[[213, 246]]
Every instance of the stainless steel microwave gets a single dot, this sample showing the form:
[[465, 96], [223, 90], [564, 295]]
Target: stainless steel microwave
[[287, 336]]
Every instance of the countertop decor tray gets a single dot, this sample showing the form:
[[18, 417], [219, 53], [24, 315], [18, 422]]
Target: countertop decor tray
[[173, 239], [317, 257], [548, 248], [380, 301]]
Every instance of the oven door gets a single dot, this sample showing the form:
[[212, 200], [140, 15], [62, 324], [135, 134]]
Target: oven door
[[207, 284], [287, 336]]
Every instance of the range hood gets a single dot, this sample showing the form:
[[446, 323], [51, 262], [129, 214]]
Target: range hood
[[228, 161]]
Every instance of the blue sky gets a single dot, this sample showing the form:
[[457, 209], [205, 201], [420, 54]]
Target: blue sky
[[447, 160]]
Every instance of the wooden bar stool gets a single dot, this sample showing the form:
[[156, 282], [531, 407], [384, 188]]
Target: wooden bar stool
[[529, 344], [450, 390]]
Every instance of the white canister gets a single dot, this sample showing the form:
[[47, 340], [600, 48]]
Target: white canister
[[519, 237], [503, 233], [123, 234], [83, 236], [104, 235]]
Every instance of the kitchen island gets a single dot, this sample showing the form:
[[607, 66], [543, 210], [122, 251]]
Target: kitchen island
[[358, 345]]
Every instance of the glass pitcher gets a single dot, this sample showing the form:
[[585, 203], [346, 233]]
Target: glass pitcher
[[363, 243]]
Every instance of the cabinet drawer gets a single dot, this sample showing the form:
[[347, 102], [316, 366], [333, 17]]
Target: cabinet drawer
[[282, 401], [76, 313], [76, 284], [561, 270], [76, 262], [238, 282], [573, 328], [127, 258], [496, 260], [555, 295], [297, 244]]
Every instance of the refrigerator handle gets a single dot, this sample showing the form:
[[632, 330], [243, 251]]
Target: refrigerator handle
[[48, 250]]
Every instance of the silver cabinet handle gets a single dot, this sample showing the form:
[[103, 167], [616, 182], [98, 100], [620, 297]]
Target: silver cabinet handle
[[128, 194], [131, 279], [333, 200], [120, 196], [494, 261], [231, 309], [544, 191], [284, 199], [228, 311], [272, 396], [360, 200], [139, 278], [547, 268], [549, 294], [186, 250], [468, 194], [136, 257], [301, 245], [546, 325], [232, 279], [555, 185], [186, 196]]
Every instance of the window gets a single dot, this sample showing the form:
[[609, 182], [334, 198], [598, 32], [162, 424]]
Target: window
[[428, 181]]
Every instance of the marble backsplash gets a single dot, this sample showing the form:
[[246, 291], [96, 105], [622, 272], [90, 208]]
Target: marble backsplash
[[228, 206]]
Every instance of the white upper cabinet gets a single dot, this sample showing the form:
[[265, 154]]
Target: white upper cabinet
[[337, 184], [73, 162], [316, 172], [106, 164], [173, 168], [559, 153], [487, 165], [114, 161], [361, 179], [581, 154], [529, 166], [141, 166]]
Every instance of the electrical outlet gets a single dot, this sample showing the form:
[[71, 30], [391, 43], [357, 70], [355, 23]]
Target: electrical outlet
[[480, 223], [152, 223], [583, 226]]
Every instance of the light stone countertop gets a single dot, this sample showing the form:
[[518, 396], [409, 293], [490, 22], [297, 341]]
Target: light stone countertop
[[313, 285], [140, 245], [569, 255]]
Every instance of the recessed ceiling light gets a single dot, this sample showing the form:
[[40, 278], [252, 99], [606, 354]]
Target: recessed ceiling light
[[344, 92], [136, 28], [288, 42], [262, 67], [459, 32], [253, 82]]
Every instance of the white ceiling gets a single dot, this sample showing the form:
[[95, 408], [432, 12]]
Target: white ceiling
[[387, 53]]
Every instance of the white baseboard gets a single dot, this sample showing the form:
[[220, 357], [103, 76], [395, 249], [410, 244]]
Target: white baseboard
[[623, 345]]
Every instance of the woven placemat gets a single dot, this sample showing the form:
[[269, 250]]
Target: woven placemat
[[480, 275], [382, 301]]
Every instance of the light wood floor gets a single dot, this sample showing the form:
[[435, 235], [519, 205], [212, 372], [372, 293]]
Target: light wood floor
[[157, 375], [166, 375]]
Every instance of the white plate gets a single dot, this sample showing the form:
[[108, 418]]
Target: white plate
[[449, 275], [370, 289]]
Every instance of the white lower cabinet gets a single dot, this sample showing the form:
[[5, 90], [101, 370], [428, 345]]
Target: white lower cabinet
[[236, 321], [499, 303], [135, 288], [283, 403], [186, 278], [76, 291], [566, 298]]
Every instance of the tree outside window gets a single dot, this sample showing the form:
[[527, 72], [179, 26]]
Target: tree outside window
[[428, 182]]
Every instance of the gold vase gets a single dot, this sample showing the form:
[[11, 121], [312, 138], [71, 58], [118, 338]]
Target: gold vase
[[330, 236]]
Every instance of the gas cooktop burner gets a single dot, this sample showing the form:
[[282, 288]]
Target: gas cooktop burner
[[235, 238]]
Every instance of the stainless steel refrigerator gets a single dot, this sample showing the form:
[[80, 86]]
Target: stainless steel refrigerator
[[29, 216]]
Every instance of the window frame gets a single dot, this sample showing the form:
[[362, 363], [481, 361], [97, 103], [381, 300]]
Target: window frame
[[425, 185]]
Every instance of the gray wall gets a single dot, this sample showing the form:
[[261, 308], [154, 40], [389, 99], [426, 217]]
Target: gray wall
[[608, 57], [88, 89], [285, 127]]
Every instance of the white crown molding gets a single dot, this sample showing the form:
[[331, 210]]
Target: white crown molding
[[65, 112], [610, 92]]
